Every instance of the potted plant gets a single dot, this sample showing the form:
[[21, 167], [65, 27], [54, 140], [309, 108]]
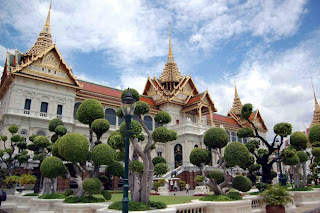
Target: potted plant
[[10, 184], [182, 184], [199, 180], [162, 182], [156, 185], [28, 181], [276, 197]]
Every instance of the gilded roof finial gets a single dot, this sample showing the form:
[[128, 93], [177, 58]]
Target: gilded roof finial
[[170, 55], [314, 95], [316, 114], [236, 107], [48, 17]]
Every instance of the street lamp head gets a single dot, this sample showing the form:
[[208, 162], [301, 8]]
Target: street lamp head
[[128, 98], [128, 103]]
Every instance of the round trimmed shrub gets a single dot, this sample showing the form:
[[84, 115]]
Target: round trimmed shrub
[[158, 159], [9, 151], [52, 167], [198, 156], [317, 159], [90, 110], [100, 126], [135, 129], [252, 145], [162, 117], [292, 160], [246, 111], [161, 134], [120, 156], [32, 137], [61, 130], [299, 139], [303, 156], [134, 93], [136, 166], [54, 123], [242, 183], [103, 154], [55, 148], [41, 141], [119, 113], [283, 129], [316, 151], [217, 175], [142, 108], [92, 185], [316, 144], [13, 129], [245, 132], [4, 138], [263, 151], [16, 138], [106, 194], [160, 169], [117, 141], [236, 154], [216, 138], [314, 133], [116, 169], [254, 167], [74, 147]]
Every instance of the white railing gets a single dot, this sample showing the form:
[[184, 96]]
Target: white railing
[[190, 207], [59, 116], [43, 114], [26, 112], [178, 171], [257, 204]]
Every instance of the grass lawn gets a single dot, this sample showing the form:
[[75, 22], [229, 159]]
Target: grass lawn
[[165, 199]]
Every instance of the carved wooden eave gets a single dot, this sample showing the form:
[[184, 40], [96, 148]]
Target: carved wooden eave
[[258, 118], [254, 117]]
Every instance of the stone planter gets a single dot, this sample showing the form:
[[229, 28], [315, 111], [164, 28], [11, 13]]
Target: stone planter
[[201, 190], [23, 203], [162, 190], [42, 205], [10, 204], [78, 208], [29, 186], [229, 206], [306, 198], [10, 191]]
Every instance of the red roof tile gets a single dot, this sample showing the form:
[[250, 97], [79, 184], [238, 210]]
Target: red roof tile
[[194, 99], [223, 119]]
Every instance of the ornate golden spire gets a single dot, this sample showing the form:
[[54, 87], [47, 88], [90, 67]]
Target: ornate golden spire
[[44, 40], [170, 72], [236, 107], [316, 114]]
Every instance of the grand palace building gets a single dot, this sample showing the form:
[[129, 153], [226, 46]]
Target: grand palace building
[[38, 85]]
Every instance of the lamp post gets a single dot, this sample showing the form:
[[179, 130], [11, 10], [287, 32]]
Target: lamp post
[[128, 104], [282, 178]]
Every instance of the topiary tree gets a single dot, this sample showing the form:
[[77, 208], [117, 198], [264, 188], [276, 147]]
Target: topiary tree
[[158, 159], [161, 169], [140, 183], [242, 183], [235, 154], [314, 139], [262, 156], [92, 186], [99, 127]]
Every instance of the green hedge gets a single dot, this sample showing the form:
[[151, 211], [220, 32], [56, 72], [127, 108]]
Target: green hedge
[[228, 197], [86, 199], [52, 196], [139, 206]]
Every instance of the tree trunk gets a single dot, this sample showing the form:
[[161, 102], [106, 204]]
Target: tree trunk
[[266, 172], [212, 184], [47, 186], [80, 191], [304, 170], [90, 138], [296, 177]]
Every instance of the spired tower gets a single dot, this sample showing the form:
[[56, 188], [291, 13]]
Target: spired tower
[[236, 107], [316, 113]]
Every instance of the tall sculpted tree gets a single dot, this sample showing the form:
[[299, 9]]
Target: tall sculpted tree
[[262, 155], [141, 173], [236, 154], [314, 139]]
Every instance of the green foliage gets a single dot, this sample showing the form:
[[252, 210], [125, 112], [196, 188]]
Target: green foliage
[[28, 179], [4, 138], [92, 185], [141, 137], [262, 152], [317, 159], [90, 110], [119, 113], [135, 129], [292, 160], [254, 167], [54, 138], [9, 151], [54, 123], [13, 129], [134, 93], [55, 148], [182, 183], [162, 135], [11, 181], [299, 140], [236, 154], [216, 138], [252, 145], [162, 117], [86, 199], [136, 166], [273, 174], [246, 111], [316, 144], [316, 151], [314, 133], [288, 153], [198, 156], [139, 206], [158, 159], [198, 179], [41, 141], [52, 196], [61, 130], [104, 179], [301, 189], [115, 169], [16, 138], [276, 195], [103, 154], [242, 183], [100, 126], [303, 156], [156, 185], [228, 197], [245, 132], [68, 192], [217, 175], [52, 167], [74, 147], [116, 141], [32, 137], [160, 169], [142, 108], [283, 129], [120, 156], [261, 186], [106, 194]]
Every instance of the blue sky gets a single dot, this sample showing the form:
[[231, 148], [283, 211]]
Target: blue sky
[[271, 48]]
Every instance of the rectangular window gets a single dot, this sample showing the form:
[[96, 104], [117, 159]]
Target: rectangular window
[[159, 154], [27, 104], [177, 121], [59, 109], [44, 107]]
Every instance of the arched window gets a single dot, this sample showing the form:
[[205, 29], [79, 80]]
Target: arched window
[[110, 115], [196, 146], [233, 136], [239, 139], [76, 106], [148, 121], [228, 135], [41, 132], [245, 140], [24, 133], [178, 155]]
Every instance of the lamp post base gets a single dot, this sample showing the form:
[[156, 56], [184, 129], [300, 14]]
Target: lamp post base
[[282, 180]]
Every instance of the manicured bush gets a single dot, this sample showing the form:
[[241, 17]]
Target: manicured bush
[[52, 196], [299, 140], [54, 138], [103, 154], [90, 110], [55, 148], [158, 159], [54, 123], [198, 178], [142, 108], [106, 194], [74, 147], [4, 138], [276, 195], [13, 129], [261, 186], [242, 183], [116, 169], [41, 141], [245, 132], [116, 141], [27, 179], [52, 167], [100, 126], [228, 197], [68, 192], [61, 130], [292, 160], [160, 169], [136, 166], [283, 129], [198, 156], [157, 205], [162, 117], [92, 185], [252, 145], [216, 138], [16, 138], [135, 129], [246, 111], [316, 151], [87, 199], [217, 175], [254, 167], [314, 133], [236, 154], [303, 156], [139, 206], [161, 134], [262, 152]]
